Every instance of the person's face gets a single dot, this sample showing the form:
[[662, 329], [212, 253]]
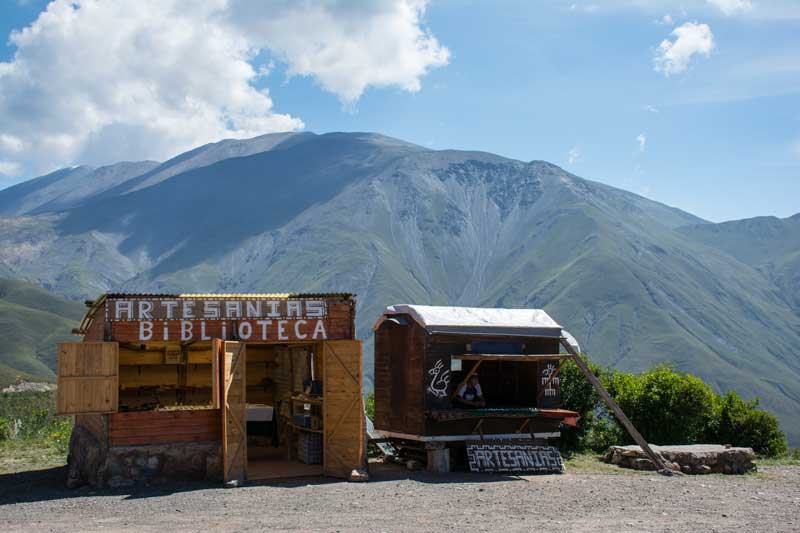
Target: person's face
[[473, 381]]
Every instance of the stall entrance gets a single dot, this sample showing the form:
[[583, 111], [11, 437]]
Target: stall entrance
[[290, 409], [272, 416]]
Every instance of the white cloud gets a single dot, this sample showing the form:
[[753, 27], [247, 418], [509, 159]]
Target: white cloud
[[642, 140], [666, 20], [587, 8], [733, 7], [96, 81], [673, 57], [573, 155], [651, 108], [9, 169]]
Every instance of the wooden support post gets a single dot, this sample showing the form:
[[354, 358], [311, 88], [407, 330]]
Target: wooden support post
[[466, 379], [616, 409], [524, 424], [438, 457]]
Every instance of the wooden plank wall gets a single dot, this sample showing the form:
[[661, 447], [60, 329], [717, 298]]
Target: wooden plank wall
[[158, 427], [399, 383], [87, 377], [343, 409]]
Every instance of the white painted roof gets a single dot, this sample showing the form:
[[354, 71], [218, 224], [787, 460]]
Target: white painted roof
[[429, 316], [480, 321]]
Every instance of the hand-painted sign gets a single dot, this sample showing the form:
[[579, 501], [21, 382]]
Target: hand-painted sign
[[514, 456], [246, 319]]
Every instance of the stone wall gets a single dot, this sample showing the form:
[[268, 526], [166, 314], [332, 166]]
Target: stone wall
[[691, 459], [92, 463]]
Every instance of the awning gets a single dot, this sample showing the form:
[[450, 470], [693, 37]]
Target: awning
[[510, 357]]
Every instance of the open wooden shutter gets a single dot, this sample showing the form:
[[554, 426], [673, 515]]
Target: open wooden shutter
[[343, 407], [234, 425], [87, 378]]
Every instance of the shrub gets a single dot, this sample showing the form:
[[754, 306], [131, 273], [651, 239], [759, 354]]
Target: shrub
[[577, 394], [5, 429], [743, 423], [369, 405], [667, 407]]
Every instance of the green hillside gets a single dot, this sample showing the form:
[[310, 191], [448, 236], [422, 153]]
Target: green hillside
[[637, 282], [32, 321]]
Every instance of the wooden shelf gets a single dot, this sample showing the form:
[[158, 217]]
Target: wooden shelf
[[300, 399]]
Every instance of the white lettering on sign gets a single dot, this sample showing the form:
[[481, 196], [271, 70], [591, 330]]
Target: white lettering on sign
[[211, 309], [145, 330], [264, 324], [216, 308], [123, 306], [233, 309], [297, 333], [170, 306], [518, 456], [144, 309], [186, 330], [245, 330], [253, 330]]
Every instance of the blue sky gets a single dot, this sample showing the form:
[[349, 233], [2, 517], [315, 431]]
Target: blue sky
[[712, 128]]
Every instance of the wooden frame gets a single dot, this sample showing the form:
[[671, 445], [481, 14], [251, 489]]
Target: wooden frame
[[88, 378]]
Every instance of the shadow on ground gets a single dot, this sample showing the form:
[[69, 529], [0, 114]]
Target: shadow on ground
[[49, 484]]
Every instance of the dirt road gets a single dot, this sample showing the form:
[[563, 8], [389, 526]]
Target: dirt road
[[582, 500]]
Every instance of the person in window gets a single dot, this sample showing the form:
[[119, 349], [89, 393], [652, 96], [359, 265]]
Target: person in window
[[470, 393]]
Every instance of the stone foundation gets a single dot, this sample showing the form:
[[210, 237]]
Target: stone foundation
[[692, 459], [118, 466]]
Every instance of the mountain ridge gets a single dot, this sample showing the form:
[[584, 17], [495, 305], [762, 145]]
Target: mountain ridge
[[396, 222]]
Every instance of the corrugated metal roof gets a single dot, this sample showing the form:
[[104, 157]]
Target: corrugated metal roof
[[232, 295]]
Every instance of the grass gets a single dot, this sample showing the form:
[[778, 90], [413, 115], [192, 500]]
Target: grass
[[32, 437], [591, 463]]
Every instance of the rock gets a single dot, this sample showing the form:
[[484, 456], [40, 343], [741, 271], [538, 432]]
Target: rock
[[413, 464], [358, 475], [691, 459]]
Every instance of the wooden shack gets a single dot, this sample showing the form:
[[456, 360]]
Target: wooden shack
[[231, 387], [424, 353]]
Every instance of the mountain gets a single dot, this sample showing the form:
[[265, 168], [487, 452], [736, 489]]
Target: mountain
[[770, 244], [32, 321], [395, 222], [67, 187]]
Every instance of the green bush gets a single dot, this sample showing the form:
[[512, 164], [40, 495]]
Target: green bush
[[577, 394], [742, 423], [667, 407], [369, 405], [5, 429]]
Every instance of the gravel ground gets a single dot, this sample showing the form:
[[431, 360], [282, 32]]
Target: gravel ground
[[580, 500]]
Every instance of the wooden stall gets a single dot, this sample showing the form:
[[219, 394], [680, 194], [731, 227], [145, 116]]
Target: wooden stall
[[222, 386], [423, 354]]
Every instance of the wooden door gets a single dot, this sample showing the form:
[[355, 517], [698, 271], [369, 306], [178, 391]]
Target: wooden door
[[343, 407], [88, 378], [234, 425]]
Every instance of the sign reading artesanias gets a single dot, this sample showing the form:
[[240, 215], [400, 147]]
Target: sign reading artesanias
[[247, 319], [513, 456]]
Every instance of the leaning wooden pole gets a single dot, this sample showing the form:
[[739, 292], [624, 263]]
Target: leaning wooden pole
[[616, 409]]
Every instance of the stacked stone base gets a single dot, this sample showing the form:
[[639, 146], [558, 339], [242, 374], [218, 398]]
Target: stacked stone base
[[119, 466], [692, 459]]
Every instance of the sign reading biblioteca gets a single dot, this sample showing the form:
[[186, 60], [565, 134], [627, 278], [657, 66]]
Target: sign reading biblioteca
[[514, 456], [202, 319]]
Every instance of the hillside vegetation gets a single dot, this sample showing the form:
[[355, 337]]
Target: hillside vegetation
[[32, 322], [398, 223]]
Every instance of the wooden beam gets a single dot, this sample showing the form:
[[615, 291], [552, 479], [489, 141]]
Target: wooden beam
[[510, 357], [469, 375], [616, 409]]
